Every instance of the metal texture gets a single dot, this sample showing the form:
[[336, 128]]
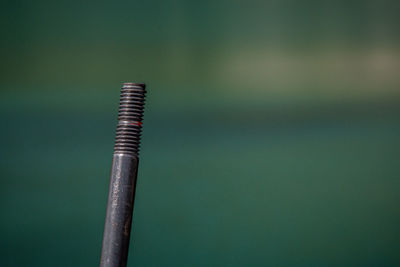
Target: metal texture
[[121, 194]]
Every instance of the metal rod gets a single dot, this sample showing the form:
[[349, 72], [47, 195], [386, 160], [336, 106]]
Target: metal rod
[[121, 194]]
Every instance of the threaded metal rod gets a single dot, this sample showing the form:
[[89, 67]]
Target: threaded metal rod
[[121, 194]]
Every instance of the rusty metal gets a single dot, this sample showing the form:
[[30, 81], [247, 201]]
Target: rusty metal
[[123, 176]]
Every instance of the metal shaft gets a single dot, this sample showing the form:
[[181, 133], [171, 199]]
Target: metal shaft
[[121, 194]]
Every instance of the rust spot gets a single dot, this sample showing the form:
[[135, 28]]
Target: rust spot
[[127, 227]]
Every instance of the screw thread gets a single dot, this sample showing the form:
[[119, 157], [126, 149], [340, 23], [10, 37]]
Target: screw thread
[[130, 116]]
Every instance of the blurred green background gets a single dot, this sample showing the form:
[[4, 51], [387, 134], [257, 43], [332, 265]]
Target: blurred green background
[[271, 132]]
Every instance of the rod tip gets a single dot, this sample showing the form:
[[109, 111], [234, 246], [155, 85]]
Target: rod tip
[[143, 85]]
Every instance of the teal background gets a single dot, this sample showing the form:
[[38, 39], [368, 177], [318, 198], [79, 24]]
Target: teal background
[[271, 131]]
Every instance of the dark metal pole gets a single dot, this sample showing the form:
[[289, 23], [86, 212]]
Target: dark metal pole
[[121, 194]]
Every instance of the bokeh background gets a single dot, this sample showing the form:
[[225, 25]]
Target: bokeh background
[[271, 132]]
